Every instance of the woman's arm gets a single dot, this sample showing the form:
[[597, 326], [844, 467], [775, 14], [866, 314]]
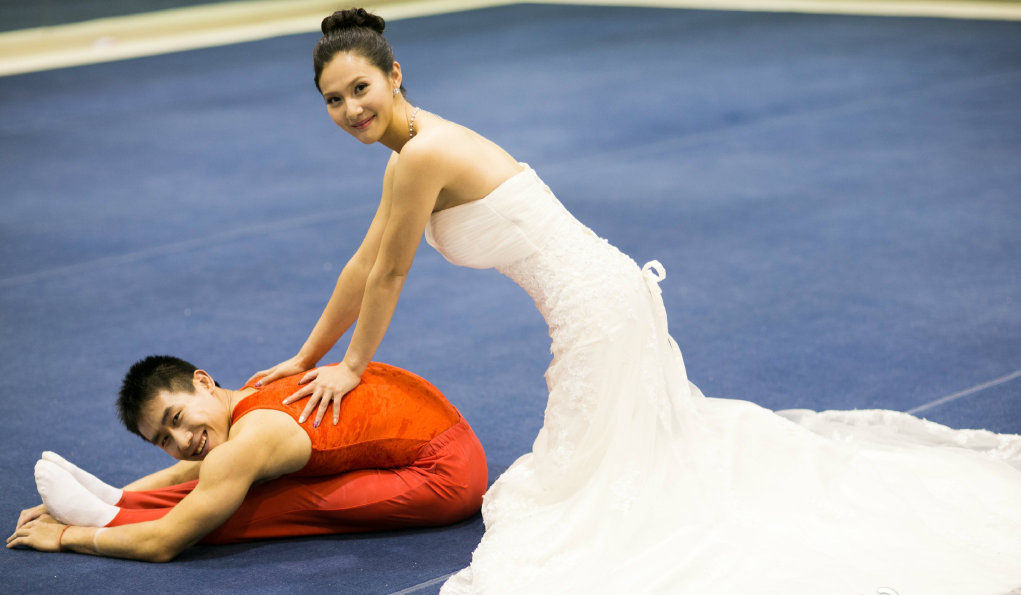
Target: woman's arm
[[417, 183], [418, 178], [343, 306], [346, 300]]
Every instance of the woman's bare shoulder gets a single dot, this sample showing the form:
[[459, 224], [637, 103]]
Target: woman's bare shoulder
[[434, 150], [460, 147], [461, 164], [441, 138]]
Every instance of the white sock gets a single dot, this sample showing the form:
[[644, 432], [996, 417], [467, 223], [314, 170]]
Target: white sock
[[67, 500], [104, 491]]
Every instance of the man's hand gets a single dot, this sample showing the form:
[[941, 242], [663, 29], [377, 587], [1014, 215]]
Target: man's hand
[[31, 514], [326, 384], [41, 533]]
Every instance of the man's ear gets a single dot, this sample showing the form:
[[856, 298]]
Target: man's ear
[[202, 379]]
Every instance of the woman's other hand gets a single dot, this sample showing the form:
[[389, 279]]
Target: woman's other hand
[[326, 384], [30, 514], [295, 365]]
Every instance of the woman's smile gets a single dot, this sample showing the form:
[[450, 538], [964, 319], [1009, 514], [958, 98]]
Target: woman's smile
[[364, 123]]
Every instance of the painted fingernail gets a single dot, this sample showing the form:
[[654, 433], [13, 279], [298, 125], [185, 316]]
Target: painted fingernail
[[259, 383], [315, 425]]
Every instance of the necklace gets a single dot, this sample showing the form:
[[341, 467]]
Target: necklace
[[411, 124]]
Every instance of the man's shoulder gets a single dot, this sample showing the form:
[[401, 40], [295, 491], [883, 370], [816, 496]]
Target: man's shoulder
[[263, 424], [269, 440]]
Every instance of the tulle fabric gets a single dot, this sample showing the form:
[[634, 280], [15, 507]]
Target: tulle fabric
[[637, 482]]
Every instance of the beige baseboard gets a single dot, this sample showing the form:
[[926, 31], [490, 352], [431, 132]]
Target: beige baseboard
[[131, 36]]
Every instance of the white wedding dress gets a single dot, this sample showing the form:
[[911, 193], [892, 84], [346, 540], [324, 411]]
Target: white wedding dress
[[638, 483]]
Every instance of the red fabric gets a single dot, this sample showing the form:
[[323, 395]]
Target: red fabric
[[384, 421], [444, 484]]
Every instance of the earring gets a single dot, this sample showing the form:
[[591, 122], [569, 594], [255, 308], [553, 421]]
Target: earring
[[395, 92]]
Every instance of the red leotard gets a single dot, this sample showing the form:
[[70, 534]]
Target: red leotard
[[401, 456], [384, 421]]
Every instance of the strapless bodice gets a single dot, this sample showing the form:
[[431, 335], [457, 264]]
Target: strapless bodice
[[507, 225]]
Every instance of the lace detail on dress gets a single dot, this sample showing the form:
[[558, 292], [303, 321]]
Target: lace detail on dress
[[638, 482], [624, 490], [570, 273], [584, 308]]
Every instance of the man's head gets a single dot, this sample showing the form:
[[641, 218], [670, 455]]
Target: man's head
[[172, 404]]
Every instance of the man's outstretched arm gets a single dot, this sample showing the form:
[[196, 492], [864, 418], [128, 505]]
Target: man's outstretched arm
[[263, 445], [179, 472]]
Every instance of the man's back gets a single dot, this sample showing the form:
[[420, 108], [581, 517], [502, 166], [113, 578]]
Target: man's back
[[384, 421]]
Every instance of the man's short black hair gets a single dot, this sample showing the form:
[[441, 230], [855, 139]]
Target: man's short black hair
[[146, 379]]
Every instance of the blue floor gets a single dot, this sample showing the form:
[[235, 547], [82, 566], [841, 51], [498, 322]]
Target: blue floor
[[835, 200]]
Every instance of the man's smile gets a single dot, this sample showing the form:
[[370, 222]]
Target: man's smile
[[202, 444]]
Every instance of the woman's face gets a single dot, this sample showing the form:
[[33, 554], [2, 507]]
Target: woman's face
[[359, 96]]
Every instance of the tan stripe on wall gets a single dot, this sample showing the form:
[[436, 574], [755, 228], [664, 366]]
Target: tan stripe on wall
[[117, 38]]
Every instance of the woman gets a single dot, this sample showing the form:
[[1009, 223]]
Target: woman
[[637, 482]]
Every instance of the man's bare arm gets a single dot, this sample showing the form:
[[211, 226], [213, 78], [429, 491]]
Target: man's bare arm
[[179, 472], [263, 445]]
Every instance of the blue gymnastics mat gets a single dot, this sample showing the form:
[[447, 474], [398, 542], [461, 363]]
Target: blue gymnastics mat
[[835, 200]]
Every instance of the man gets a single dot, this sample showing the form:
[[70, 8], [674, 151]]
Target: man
[[401, 456]]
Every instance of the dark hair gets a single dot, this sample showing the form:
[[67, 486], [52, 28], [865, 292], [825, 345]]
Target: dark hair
[[148, 378], [354, 29]]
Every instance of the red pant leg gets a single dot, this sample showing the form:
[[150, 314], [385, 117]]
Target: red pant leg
[[149, 505], [444, 485], [159, 498]]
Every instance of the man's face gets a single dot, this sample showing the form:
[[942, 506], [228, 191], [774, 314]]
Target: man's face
[[186, 425]]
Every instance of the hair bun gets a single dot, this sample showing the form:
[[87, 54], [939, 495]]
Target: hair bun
[[354, 17]]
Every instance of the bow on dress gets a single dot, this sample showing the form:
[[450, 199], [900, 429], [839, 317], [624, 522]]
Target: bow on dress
[[654, 272]]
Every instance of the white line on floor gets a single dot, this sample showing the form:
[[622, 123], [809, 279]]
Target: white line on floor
[[177, 247], [966, 392], [427, 583]]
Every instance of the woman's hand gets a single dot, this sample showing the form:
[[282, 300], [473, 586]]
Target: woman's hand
[[327, 383], [295, 365], [30, 514], [41, 533]]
